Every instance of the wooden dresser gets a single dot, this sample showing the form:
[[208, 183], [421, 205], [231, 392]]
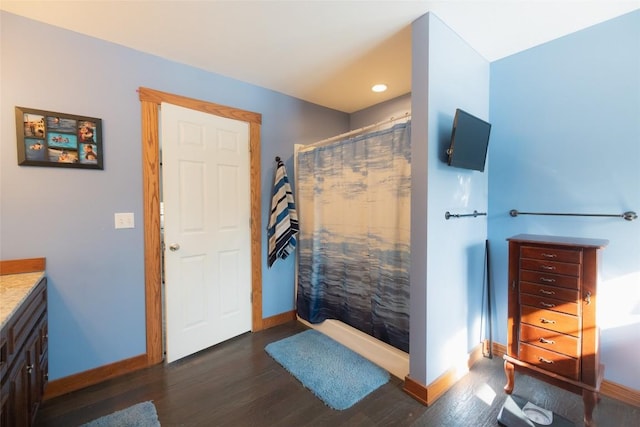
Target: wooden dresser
[[552, 331], [23, 340]]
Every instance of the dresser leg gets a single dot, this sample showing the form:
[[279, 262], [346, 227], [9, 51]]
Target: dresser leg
[[509, 370], [589, 398]]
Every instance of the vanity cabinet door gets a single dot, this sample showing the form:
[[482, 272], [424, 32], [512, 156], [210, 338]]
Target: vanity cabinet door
[[24, 360]]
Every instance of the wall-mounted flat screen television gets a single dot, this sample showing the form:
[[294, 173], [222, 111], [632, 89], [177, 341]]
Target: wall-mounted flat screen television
[[469, 141]]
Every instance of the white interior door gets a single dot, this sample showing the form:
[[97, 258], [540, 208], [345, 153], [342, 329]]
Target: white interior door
[[206, 197]]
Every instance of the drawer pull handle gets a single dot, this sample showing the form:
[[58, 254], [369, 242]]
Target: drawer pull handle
[[543, 320], [547, 280], [548, 267], [546, 304], [544, 341], [543, 360], [549, 255], [29, 369], [542, 291], [587, 299]]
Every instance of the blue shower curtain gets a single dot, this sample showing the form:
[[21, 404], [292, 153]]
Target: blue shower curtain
[[354, 212]]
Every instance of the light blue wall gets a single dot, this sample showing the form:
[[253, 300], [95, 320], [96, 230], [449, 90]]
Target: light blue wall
[[566, 138], [447, 74], [96, 273]]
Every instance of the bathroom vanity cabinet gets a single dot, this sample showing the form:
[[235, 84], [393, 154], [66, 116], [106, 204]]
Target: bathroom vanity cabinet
[[23, 346]]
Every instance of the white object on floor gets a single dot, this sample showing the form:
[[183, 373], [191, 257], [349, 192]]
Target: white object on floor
[[537, 414]]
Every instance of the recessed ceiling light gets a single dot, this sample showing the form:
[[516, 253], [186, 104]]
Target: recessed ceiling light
[[379, 87]]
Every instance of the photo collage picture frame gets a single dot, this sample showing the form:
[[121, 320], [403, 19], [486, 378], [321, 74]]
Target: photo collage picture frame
[[48, 138]]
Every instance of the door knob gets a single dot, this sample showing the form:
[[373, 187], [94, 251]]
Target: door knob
[[174, 247]]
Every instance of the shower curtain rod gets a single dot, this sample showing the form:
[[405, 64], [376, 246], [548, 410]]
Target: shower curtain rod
[[320, 143]]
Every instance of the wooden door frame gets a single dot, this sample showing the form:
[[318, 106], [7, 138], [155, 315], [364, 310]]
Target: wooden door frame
[[150, 100]]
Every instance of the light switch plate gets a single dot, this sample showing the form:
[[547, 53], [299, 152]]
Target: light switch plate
[[124, 220]]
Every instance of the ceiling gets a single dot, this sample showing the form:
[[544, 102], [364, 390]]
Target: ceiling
[[326, 52]]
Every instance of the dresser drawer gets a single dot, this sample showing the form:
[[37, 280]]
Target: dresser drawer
[[553, 304], [550, 291], [550, 279], [549, 340], [551, 361], [550, 267], [552, 320], [551, 254]]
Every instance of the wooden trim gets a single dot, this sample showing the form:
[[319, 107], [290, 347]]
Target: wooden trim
[[499, 350], [429, 394], [621, 393], [150, 100], [445, 381], [475, 356], [157, 97], [607, 388], [416, 390], [152, 239], [94, 376], [279, 319], [17, 266], [441, 384], [255, 168]]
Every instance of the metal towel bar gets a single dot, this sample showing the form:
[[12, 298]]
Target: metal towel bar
[[448, 215], [629, 215]]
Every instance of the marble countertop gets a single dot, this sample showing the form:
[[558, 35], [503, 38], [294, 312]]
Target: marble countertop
[[14, 289]]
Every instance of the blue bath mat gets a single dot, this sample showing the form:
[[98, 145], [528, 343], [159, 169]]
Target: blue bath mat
[[140, 415], [334, 373]]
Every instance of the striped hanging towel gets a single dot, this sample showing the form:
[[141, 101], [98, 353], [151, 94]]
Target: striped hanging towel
[[283, 223]]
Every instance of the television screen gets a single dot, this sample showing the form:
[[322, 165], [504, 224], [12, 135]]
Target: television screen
[[469, 141]]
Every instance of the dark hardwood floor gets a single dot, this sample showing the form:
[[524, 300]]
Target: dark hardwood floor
[[237, 384]]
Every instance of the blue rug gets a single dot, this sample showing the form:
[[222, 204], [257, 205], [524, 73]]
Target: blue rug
[[140, 415], [334, 373]]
